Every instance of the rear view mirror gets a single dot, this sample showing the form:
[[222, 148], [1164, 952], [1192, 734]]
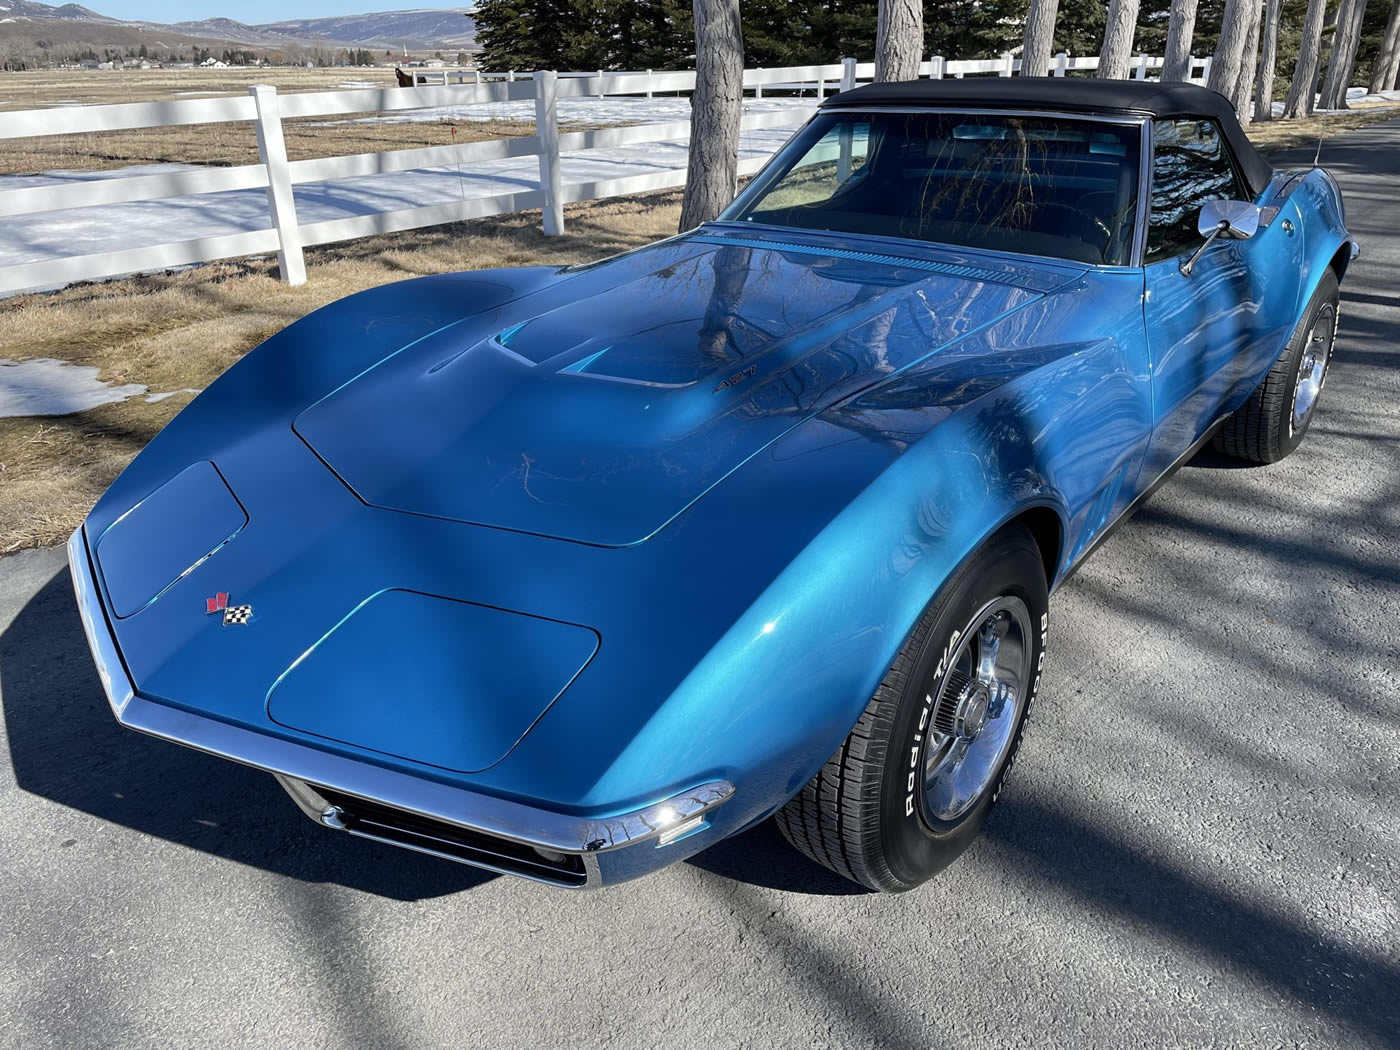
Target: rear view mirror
[[1236, 220]]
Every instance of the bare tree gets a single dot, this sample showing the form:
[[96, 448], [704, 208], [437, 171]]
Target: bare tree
[[1244, 84], [899, 40], [1389, 55], [1181, 27], [1117, 50], [1268, 59], [713, 169], [1300, 92], [1039, 35], [1229, 53], [1343, 61]]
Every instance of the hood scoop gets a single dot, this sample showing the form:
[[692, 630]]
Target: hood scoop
[[607, 411]]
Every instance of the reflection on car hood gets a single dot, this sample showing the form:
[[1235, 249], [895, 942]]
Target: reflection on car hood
[[598, 410]]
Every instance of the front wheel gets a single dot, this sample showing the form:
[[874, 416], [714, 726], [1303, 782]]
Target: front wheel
[[911, 786]]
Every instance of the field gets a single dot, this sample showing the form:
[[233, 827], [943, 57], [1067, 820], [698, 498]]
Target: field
[[213, 144]]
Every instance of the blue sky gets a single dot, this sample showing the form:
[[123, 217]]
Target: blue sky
[[250, 11]]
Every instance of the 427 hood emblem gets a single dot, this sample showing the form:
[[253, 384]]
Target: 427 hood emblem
[[735, 379], [234, 615]]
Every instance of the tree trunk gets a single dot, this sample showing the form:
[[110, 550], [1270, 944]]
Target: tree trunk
[[899, 40], [1300, 92], [1244, 85], [1040, 31], [715, 107], [1390, 50], [1117, 51], [1229, 53], [1181, 26], [1268, 58], [1343, 61]]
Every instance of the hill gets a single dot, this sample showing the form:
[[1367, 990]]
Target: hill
[[30, 30]]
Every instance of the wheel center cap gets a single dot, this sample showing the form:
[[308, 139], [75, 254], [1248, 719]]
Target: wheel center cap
[[971, 713]]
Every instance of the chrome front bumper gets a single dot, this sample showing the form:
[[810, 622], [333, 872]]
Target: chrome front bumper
[[308, 774]]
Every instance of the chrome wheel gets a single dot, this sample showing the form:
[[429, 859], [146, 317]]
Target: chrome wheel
[[977, 704], [1312, 369]]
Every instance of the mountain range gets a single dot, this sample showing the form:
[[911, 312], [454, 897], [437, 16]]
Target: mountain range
[[28, 22]]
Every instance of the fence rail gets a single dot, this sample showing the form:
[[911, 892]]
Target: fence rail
[[286, 235]]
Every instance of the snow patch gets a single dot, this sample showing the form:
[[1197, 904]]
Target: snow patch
[[152, 399], [607, 111], [43, 386], [41, 236]]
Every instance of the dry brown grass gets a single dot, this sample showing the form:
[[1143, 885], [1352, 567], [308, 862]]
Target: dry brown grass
[[182, 330], [37, 89], [219, 145], [1275, 135]]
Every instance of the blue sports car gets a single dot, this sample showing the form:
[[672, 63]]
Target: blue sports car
[[570, 573]]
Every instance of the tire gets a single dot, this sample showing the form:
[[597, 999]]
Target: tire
[[1273, 421], [867, 814]]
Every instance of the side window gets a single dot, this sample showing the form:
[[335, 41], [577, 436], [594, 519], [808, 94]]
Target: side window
[[1190, 165]]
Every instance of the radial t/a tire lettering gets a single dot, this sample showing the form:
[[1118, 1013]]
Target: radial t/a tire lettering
[[912, 784]]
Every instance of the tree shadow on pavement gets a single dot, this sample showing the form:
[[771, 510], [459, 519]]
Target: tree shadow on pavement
[[1356, 989], [66, 746]]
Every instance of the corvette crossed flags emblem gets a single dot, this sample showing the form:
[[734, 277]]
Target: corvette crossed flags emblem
[[233, 614]]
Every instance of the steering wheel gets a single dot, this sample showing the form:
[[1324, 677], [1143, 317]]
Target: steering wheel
[[1083, 213]]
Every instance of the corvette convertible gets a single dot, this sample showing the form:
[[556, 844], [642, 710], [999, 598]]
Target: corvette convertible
[[571, 573]]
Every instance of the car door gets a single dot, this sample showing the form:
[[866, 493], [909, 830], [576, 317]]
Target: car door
[[1208, 332]]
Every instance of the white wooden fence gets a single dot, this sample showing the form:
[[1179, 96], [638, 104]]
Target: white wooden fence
[[285, 235]]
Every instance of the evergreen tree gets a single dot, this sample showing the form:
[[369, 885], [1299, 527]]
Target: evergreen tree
[[528, 34]]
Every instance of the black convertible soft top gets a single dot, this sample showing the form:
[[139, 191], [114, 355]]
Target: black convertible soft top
[[1075, 95]]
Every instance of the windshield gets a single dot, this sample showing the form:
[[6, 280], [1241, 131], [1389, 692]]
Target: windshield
[[1034, 185]]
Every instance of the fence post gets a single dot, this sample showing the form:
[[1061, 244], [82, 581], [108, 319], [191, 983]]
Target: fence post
[[510, 76], [1140, 70], [478, 76], [547, 129], [843, 157], [935, 67], [272, 150], [848, 74], [1205, 70], [757, 88], [1061, 63], [1006, 61], [648, 89], [600, 84]]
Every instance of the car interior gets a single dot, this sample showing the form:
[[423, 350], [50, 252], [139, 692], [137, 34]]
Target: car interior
[[1031, 185]]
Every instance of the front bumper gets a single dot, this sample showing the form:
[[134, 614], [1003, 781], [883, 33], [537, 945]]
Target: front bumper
[[373, 802]]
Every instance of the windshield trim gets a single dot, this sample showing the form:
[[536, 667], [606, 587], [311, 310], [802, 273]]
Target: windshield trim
[[772, 170]]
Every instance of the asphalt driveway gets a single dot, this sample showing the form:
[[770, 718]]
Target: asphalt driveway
[[1200, 845]]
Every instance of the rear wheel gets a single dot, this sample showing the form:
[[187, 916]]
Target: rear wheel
[[1271, 424], [911, 786]]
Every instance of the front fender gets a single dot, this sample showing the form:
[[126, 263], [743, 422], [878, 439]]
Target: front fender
[[915, 475]]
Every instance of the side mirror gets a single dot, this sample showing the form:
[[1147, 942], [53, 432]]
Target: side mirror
[[1241, 219], [1237, 220]]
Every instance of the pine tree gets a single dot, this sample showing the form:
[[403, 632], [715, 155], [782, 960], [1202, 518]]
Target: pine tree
[[526, 34]]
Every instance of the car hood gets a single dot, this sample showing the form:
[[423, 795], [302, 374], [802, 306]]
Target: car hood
[[602, 407]]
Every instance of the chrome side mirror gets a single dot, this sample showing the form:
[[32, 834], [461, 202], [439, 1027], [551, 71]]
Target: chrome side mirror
[[1234, 219], [1237, 220], [1241, 219]]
